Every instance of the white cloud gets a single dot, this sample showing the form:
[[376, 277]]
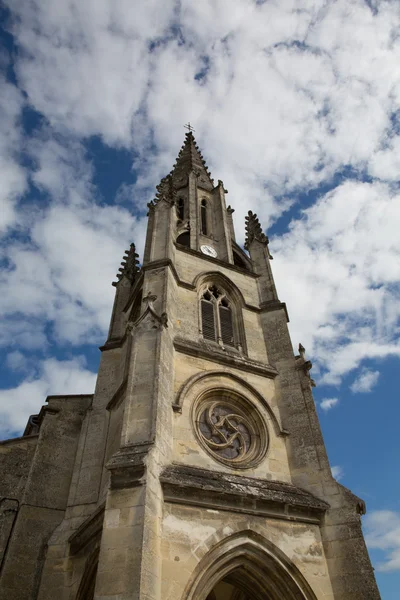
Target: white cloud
[[328, 403], [289, 95], [66, 277], [365, 381], [337, 472], [23, 331], [62, 274], [13, 176], [102, 51], [16, 361], [52, 377], [337, 270], [285, 89], [382, 528]]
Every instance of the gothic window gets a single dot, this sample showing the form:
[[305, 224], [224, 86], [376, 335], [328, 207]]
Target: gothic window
[[203, 217], [181, 209], [217, 317]]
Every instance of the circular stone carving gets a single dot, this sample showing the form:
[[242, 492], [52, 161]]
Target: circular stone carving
[[230, 429]]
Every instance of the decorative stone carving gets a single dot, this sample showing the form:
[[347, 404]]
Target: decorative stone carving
[[305, 365], [230, 429], [149, 319], [224, 432]]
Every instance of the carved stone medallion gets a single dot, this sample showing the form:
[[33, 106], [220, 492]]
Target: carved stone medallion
[[231, 430]]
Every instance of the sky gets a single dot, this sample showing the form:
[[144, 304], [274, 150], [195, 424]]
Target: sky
[[296, 107]]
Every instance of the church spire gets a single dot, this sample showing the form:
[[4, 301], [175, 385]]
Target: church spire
[[189, 212], [190, 160]]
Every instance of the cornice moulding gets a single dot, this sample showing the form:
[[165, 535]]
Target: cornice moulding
[[224, 357], [235, 493]]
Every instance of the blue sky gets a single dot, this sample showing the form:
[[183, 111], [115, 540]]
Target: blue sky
[[296, 107]]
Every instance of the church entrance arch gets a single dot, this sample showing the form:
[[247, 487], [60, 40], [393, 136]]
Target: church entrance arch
[[246, 566]]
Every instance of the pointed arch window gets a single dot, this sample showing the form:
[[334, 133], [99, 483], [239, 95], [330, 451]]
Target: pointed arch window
[[203, 217], [217, 323]]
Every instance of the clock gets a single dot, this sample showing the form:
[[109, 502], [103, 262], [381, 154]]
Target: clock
[[208, 250]]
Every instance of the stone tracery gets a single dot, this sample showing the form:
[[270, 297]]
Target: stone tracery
[[225, 432], [230, 429]]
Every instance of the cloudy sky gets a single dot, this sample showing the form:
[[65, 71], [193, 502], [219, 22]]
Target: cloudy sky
[[296, 106]]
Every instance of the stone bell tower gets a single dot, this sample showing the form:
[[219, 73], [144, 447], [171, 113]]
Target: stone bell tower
[[198, 470]]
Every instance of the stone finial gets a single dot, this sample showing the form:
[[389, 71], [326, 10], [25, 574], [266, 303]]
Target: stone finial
[[254, 232], [129, 265]]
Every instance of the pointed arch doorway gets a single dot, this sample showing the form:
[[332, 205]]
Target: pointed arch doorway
[[246, 566]]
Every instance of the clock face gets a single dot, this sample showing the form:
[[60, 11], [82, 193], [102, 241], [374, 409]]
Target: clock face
[[208, 250]]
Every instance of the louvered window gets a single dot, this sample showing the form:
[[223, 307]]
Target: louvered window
[[217, 317], [225, 319], [208, 320]]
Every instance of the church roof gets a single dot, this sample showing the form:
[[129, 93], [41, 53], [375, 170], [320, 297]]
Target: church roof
[[190, 159]]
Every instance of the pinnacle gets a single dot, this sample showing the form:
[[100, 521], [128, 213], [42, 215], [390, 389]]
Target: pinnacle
[[129, 266], [190, 159], [165, 191], [254, 231]]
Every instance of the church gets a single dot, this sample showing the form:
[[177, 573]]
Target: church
[[197, 469]]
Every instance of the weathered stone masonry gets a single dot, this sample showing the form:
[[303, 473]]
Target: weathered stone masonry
[[197, 469]]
